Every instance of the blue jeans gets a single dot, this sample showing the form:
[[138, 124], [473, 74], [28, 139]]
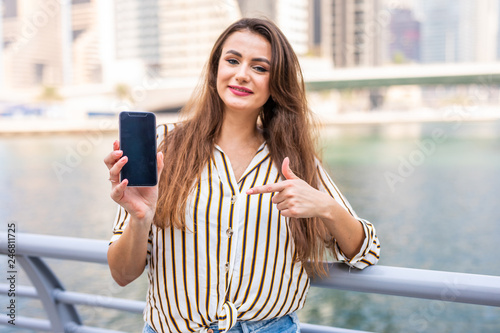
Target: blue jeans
[[286, 324]]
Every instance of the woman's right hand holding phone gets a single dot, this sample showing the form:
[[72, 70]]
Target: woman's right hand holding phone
[[139, 202], [127, 255]]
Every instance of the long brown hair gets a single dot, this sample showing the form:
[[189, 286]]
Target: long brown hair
[[287, 128]]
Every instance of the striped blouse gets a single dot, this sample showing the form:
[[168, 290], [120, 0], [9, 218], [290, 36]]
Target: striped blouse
[[234, 261]]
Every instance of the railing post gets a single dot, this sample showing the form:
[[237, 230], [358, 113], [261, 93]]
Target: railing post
[[61, 316]]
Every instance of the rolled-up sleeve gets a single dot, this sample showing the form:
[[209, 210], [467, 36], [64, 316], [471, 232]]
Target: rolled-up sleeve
[[121, 221], [369, 253]]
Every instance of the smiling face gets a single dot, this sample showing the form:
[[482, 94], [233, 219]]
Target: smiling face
[[243, 72]]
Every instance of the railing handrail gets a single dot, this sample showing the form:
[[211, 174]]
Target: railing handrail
[[417, 283], [397, 281], [58, 247]]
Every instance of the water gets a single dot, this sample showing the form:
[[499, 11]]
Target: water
[[431, 190]]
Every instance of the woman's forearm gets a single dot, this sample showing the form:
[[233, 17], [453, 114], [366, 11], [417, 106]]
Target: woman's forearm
[[346, 229], [127, 255]]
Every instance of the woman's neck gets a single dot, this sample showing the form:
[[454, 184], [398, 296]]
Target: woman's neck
[[240, 139], [240, 132]]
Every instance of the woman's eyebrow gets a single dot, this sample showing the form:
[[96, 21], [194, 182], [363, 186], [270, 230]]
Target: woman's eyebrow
[[236, 53]]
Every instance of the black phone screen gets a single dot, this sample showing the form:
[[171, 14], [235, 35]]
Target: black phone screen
[[138, 143]]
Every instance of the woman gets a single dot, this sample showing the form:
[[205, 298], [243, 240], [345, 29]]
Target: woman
[[228, 231]]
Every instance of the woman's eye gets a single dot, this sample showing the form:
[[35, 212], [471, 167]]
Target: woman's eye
[[260, 69], [232, 61]]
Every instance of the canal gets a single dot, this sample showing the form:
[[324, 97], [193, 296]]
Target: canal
[[431, 189]]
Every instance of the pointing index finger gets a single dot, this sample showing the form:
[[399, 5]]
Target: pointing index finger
[[276, 187]]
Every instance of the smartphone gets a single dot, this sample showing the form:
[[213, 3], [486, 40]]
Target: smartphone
[[138, 143]]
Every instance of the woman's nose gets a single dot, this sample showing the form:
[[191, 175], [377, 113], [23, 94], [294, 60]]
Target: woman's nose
[[242, 74]]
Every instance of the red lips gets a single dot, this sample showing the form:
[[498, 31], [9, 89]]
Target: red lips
[[240, 91]]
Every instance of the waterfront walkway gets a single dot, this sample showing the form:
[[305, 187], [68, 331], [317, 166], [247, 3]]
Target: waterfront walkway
[[28, 250]]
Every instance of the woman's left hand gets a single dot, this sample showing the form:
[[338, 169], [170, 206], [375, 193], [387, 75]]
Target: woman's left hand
[[295, 198]]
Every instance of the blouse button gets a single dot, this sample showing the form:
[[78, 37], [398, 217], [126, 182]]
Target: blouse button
[[226, 266], [229, 232], [233, 199]]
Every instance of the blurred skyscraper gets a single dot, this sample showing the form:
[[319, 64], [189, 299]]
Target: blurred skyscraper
[[404, 36], [459, 30], [137, 31], [352, 32], [172, 38], [32, 43], [498, 34], [50, 43], [86, 42]]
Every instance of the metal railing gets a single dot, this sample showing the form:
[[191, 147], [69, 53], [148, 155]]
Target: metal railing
[[62, 315]]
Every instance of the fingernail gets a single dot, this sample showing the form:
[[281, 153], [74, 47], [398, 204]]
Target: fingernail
[[249, 191]]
